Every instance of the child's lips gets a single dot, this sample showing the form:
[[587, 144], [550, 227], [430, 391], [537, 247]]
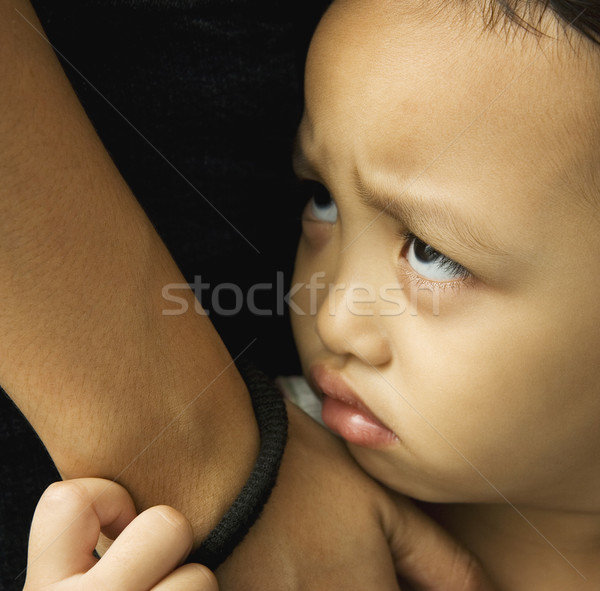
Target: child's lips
[[344, 413]]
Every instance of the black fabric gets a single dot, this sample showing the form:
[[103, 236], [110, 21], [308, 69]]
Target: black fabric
[[214, 87], [25, 471], [271, 417]]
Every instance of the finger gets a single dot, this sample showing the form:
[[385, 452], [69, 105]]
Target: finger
[[428, 557], [147, 550], [66, 525], [190, 577]]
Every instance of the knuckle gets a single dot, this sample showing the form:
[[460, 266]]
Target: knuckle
[[62, 492]]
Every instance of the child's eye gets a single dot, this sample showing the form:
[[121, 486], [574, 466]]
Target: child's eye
[[431, 264], [321, 207]]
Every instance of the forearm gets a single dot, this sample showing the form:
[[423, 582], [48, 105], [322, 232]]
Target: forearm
[[113, 387]]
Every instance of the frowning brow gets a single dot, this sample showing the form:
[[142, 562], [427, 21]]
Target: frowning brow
[[432, 219]]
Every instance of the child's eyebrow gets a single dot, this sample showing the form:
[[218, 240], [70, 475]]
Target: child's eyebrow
[[428, 219], [431, 219]]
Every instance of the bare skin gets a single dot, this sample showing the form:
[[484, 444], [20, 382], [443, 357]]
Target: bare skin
[[116, 389], [66, 525], [482, 145], [84, 338]]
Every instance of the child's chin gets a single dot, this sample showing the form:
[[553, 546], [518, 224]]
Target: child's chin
[[424, 485]]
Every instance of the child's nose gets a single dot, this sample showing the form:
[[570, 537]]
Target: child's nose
[[348, 323]]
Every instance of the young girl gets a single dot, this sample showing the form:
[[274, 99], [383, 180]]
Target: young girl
[[451, 158]]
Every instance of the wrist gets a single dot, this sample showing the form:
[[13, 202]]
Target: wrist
[[176, 426], [271, 419], [196, 461]]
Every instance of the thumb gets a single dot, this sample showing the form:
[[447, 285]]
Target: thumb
[[66, 525], [427, 557]]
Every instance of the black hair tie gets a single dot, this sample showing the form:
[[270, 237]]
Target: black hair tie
[[271, 417]]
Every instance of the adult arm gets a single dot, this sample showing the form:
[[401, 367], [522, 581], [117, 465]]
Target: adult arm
[[118, 390], [113, 387]]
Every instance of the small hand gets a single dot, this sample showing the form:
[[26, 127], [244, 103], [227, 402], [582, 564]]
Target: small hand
[[144, 556], [425, 556], [328, 526]]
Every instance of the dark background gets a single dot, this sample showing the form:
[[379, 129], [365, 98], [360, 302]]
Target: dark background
[[216, 87]]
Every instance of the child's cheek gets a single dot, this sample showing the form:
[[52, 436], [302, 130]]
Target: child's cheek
[[312, 273], [315, 235]]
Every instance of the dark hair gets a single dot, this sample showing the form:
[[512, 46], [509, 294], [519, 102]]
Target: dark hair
[[581, 15]]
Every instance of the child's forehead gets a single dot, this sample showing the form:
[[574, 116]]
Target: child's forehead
[[423, 84], [525, 26]]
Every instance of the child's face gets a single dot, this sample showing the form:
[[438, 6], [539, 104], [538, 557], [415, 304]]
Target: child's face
[[484, 145]]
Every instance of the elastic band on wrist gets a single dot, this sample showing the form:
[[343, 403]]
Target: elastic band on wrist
[[271, 417]]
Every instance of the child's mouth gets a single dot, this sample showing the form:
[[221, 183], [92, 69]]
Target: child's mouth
[[345, 414], [355, 424]]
